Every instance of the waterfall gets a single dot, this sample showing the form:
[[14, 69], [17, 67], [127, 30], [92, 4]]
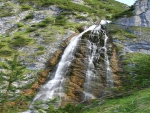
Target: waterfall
[[93, 56], [54, 87], [109, 77]]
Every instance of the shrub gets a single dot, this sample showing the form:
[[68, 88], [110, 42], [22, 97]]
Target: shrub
[[137, 70]]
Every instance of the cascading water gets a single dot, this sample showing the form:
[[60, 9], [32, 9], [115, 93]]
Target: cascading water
[[109, 76], [91, 73], [54, 87], [93, 83]]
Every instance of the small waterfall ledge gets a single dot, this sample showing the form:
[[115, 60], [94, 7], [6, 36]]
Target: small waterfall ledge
[[83, 72]]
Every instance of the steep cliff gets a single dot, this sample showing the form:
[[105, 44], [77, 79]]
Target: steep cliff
[[141, 15]]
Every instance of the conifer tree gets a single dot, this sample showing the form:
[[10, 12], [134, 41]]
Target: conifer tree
[[12, 73]]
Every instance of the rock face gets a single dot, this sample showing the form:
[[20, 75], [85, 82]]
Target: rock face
[[75, 85], [142, 15]]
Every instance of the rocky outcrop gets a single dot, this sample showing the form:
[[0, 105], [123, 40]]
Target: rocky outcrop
[[142, 15], [74, 86], [42, 76]]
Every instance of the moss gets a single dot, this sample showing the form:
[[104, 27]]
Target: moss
[[81, 17], [19, 41], [30, 16], [20, 24], [5, 53], [41, 48], [129, 35], [2, 45], [31, 29], [48, 40], [7, 9], [40, 52], [25, 7]]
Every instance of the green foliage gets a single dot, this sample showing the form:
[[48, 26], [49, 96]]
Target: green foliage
[[97, 7], [137, 70], [2, 45], [41, 48], [120, 33], [31, 29], [13, 74], [20, 24], [25, 7], [139, 102], [127, 13], [19, 41], [46, 22], [5, 52], [81, 17], [69, 108], [6, 10], [30, 16], [130, 35]]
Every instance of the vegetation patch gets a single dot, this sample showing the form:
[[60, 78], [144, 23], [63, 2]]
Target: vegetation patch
[[30, 16], [25, 7], [120, 33], [139, 102], [5, 53], [136, 66], [20, 41], [7, 9], [20, 24], [127, 13]]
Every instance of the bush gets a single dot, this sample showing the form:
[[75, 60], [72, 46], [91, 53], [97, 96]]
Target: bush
[[137, 70]]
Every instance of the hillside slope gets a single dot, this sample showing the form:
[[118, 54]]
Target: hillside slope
[[34, 34]]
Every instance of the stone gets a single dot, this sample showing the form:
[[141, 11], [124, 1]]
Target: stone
[[55, 57], [141, 17]]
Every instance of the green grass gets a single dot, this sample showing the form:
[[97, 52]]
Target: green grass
[[5, 53], [25, 7], [7, 9], [139, 102], [120, 33], [127, 13], [97, 7], [30, 16], [20, 41]]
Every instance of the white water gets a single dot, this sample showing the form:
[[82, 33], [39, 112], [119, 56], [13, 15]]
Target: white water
[[54, 87], [109, 76], [91, 72]]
